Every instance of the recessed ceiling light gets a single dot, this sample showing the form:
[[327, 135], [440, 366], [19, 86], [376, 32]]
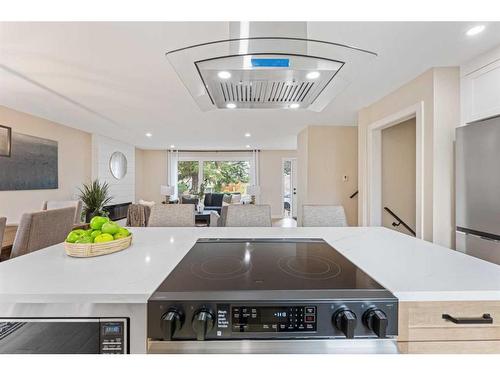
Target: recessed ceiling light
[[248, 135], [294, 105], [172, 146], [475, 30], [312, 75], [149, 135], [231, 105], [224, 75], [247, 146]]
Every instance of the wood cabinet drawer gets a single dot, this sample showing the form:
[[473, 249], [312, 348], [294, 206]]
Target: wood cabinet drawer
[[423, 321], [449, 347]]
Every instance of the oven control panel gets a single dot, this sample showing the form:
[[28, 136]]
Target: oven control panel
[[223, 320], [273, 318], [113, 336]]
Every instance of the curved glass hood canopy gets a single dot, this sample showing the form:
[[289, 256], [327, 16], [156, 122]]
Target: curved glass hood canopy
[[267, 72]]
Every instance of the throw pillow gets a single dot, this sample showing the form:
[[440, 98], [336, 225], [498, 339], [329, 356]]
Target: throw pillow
[[236, 198]]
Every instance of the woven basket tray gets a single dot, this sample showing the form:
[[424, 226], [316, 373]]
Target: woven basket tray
[[84, 250]]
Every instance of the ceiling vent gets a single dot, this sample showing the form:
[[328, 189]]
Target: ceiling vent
[[267, 72]]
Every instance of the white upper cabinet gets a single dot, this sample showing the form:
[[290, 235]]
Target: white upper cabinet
[[480, 86]]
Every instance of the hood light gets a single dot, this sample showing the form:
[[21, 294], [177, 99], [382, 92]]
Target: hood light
[[294, 105], [231, 105], [224, 75], [312, 75]]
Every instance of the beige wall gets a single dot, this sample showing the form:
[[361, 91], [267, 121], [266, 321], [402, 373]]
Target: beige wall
[[325, 155], [74, 163], [399, 174], [150, 173], [271, 176], [438, 90]]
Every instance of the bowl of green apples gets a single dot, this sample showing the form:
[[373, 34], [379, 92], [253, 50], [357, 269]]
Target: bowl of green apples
[[103, 237]]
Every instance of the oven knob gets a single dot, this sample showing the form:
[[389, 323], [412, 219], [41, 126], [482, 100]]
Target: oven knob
[[171, 322], [376, 320], [203, 322], [345, 320]]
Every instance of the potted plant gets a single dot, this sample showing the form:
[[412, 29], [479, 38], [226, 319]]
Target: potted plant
[[94, 197]]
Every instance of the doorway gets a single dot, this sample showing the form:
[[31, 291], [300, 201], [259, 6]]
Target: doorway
[[399, 177], [372, 206], [289, 187]]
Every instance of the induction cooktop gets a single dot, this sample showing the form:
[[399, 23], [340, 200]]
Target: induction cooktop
[[268, 288], [265, 264]]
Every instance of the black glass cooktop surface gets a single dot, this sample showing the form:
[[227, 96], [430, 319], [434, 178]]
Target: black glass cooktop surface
[[265, 264]]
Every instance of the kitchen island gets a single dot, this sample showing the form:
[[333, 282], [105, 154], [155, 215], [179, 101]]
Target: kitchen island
[[427, 279]]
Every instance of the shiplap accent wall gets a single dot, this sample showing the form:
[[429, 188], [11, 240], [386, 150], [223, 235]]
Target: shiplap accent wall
[[102, 147]]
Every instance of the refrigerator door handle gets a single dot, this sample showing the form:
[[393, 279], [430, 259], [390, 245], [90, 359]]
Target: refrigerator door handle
[[467, 232]]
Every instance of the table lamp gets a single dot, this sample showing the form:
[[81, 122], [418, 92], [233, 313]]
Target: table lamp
[[253, 190], [167, 191]]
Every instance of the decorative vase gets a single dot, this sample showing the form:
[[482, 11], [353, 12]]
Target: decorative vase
[[90, 215]]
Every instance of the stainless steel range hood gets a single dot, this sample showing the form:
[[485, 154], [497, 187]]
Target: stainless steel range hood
[[250, 86], [252, 70]]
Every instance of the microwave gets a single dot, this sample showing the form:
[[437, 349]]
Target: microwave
[[64, 335]]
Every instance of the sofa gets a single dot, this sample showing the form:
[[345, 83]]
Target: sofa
[[213, 202]]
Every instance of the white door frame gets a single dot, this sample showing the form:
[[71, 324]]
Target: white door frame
[[372, 204], [293, 170]]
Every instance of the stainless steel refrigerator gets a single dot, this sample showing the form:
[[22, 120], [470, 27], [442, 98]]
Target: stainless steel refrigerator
[[478, 189]]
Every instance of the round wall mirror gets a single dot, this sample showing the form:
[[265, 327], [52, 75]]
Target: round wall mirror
[[118, 165]]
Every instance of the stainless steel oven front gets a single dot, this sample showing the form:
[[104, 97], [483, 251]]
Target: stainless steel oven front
[[64, 335]]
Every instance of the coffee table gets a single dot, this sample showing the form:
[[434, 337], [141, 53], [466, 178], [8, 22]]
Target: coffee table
[[203, 217]]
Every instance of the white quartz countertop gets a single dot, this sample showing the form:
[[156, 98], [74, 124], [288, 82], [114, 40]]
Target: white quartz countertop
[[412, 269]]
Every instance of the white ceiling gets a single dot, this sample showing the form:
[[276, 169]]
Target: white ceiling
[[112, 78]]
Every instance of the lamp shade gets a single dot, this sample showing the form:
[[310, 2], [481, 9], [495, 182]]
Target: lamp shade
[[167, 190], [253, 190]]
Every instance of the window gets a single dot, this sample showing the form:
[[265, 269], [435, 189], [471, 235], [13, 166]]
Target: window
[[187, 176], [230, 173], [226, 176]]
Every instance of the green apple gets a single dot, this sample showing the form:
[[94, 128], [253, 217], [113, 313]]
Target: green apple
[[73, 236], [110, 228], [84, 239], [105, 237], [119, 235], [124, 232], [95, 233], [98, 221]]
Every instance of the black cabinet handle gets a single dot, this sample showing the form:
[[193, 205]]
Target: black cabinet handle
[[485, 319]]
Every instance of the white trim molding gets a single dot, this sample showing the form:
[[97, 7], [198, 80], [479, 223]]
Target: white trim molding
[[372, 204]]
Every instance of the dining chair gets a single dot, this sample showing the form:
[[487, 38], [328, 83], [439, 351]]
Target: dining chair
[[323, 216], [52, 205], [172, 215], [248, 215], [38, 230]]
